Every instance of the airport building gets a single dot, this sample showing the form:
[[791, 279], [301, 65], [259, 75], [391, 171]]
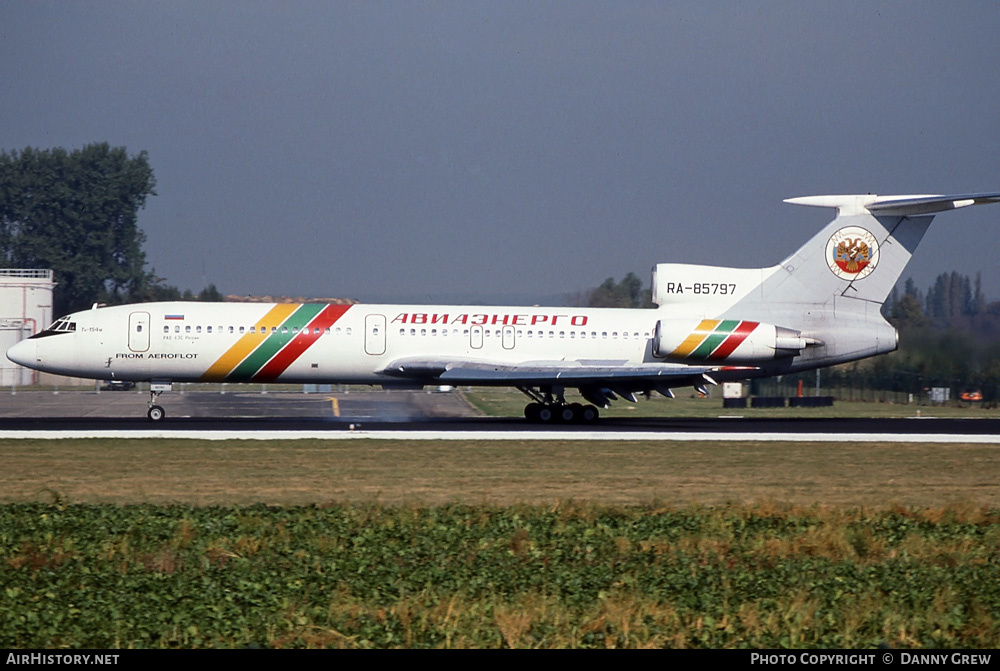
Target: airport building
[[25, 309]]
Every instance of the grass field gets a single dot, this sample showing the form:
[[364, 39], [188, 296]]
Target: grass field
[[166, 543], [305, 472]]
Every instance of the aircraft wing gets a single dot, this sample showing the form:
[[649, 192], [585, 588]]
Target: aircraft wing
[[617, 376]]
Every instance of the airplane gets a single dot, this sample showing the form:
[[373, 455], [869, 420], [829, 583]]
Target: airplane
[[819, 307]]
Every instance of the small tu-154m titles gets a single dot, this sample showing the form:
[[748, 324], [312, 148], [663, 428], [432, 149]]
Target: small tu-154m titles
[[820, 306]]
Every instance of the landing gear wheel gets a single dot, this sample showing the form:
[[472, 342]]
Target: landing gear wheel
[[546, 414], [589, 414], [567, 413], [156, 413], [531, 411]]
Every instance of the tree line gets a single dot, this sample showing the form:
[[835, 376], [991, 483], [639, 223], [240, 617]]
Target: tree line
[[76, 213]]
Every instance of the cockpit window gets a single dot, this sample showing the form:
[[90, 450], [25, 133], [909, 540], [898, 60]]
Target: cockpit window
[[61, 325]]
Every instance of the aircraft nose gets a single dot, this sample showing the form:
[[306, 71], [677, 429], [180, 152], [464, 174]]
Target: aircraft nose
[[23, 353]]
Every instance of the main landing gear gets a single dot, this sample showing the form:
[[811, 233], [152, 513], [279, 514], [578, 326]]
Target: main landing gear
[[549, 406], [156, 413]]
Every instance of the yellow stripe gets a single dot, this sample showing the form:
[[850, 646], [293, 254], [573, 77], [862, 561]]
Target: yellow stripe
[[697, 336], [248, 343]]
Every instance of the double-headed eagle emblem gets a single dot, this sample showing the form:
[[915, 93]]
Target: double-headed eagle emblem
[[852, 253]]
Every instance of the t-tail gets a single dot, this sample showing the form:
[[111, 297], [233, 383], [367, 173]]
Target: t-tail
[[824, 301]]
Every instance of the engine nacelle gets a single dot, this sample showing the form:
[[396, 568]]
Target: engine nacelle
[[725, 341]]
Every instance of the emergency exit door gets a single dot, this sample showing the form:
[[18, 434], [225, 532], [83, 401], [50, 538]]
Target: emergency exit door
[[375, 334], [138, 331]]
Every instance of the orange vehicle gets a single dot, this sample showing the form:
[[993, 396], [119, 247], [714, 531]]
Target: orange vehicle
[[975, 395]]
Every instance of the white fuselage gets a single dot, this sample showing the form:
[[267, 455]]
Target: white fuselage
[[241, 342]]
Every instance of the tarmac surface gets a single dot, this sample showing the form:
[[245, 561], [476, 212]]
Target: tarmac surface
[[421, 414]]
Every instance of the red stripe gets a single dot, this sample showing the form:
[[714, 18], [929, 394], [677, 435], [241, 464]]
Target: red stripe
[[300, 343], [734, 340]]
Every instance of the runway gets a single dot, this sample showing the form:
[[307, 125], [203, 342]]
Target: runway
[[420, 416]]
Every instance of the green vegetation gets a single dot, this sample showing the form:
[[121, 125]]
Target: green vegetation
[[76, 212], [568, 575], [625, 294]]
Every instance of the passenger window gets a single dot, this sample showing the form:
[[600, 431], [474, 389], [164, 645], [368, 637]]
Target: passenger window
[[348, 332], [166, 329]]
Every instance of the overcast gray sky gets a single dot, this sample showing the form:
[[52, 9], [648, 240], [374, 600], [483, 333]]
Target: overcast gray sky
[[411, 149]]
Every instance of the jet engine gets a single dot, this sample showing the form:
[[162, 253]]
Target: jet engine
[[732, 341]]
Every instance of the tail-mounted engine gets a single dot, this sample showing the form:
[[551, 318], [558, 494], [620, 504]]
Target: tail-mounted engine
[[726, 340]]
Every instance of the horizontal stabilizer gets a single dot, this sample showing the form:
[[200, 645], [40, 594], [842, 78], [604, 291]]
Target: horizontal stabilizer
[[896, 206]]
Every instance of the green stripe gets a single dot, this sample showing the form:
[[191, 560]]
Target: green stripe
[[267, 349], [720, 333]]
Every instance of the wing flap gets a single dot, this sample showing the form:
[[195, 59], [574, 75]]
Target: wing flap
[[564, 373]]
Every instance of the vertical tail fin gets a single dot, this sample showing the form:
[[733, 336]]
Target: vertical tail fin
[[853, 263]]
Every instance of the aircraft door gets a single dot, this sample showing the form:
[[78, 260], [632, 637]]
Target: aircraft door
[[138, 331], [476, 337], [375, 334], [508, 337]]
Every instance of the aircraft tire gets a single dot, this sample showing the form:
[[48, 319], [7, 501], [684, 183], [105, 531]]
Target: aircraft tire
[[567, 414], [531, 412], [546, 415], [589, 414], [156, 413]]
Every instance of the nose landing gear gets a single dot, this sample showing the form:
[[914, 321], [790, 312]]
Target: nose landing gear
[[156, 413]]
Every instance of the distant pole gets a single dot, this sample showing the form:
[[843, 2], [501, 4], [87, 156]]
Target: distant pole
[[817, 382]]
